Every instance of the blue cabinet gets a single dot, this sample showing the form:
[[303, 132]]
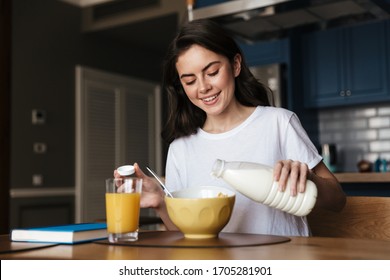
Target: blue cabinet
[[205, 3], [263, 53], [346, 66]]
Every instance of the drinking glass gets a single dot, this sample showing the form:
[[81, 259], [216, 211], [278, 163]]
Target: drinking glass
[[123, 208]]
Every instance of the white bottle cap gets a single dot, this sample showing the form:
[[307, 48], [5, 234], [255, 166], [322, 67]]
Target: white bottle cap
[[218, 167], [126, 170]]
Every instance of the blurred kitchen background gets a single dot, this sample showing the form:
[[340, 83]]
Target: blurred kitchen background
[[80, 90]]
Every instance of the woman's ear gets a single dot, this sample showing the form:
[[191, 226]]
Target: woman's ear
[[237, 65]]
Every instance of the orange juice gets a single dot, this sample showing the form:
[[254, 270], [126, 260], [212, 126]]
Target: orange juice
[[122, 210]]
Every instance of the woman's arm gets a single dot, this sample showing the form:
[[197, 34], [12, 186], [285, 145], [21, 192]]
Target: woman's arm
[[330, 193]]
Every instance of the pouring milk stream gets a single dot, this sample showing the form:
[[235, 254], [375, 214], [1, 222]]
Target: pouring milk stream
[[256, 182]]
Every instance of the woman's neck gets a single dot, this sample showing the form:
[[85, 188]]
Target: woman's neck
[[229, 119]]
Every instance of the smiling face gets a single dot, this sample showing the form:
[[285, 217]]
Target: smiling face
[[208, 78]]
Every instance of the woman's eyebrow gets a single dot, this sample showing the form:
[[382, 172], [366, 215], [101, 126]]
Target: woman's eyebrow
[[204, 69]]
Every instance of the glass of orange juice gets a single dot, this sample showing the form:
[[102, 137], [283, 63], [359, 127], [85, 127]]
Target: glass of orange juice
[[123, 208]]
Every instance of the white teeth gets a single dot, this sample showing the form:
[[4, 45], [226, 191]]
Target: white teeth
[[210, 98]]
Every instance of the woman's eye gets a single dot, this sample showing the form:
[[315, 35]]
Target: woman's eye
[[190, 82], [213, 73]]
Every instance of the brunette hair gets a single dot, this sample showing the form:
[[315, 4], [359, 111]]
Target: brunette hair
[[184, 118]]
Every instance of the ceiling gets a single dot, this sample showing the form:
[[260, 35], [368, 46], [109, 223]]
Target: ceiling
[[149, 25], [153, 35]]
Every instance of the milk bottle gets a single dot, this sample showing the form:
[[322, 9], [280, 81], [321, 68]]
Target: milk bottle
[[256, 182]]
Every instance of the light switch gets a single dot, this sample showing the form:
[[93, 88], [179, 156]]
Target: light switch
[[37, 180], [40, 148], [38, 116]]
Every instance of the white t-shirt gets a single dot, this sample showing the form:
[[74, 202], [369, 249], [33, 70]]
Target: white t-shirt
[[269, 134]]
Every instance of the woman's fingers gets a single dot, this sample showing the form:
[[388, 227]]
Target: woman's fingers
[[138, 171], [303, 177], [294, 172]]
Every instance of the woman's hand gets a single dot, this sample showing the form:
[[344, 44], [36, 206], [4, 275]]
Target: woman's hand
[[152, 195], [330, 194], [297, 173]]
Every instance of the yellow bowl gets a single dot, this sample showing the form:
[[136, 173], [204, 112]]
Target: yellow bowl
[[201, 212]]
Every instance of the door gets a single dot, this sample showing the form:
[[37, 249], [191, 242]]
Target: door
[[117, 122]]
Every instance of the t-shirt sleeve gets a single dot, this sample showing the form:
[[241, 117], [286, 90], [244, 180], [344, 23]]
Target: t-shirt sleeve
[[298, 145]]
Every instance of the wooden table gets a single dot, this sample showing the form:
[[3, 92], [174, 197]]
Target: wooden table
[[298, 248]]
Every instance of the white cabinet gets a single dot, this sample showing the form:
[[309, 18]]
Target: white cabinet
[[117, 122]]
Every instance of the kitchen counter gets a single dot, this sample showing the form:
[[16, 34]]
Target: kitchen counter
[[369, 177]]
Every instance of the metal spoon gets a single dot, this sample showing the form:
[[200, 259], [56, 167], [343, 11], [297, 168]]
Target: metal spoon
[[160, 181]]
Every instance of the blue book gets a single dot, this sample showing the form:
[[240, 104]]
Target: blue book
[[64, 234]]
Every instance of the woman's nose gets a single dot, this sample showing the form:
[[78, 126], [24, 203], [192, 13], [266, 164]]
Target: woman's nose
[[204, 87]]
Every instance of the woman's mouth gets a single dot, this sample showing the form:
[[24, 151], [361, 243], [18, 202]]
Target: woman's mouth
[[210, 98]]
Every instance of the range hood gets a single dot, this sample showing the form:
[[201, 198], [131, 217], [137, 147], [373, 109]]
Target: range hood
[[266, 19]]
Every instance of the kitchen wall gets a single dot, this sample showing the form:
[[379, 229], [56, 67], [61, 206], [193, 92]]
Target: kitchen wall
[[359, 133], [47, 44]]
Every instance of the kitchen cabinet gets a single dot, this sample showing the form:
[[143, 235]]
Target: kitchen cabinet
[[206, 3], [34, 210], [365, 184], [369, 177], [263, 53], [345, 66]]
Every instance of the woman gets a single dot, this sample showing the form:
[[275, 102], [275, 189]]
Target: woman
[[217, 109]]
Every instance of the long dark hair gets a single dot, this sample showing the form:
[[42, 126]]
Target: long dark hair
[[184, 118]]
